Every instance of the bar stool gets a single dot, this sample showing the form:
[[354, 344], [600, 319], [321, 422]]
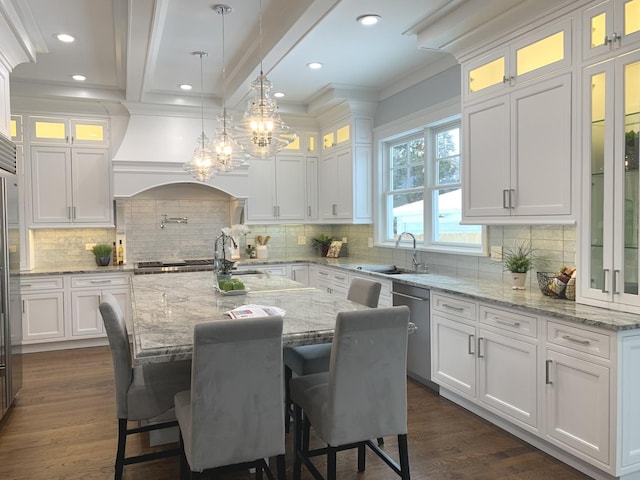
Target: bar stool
[[362, 396]]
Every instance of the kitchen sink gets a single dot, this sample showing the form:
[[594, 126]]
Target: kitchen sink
[[247, 272], [387, 269]]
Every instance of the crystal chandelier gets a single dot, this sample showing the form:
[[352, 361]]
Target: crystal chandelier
[[223, 142], [261, 132], [202, 164]]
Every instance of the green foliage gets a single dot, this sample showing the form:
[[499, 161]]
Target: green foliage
[[518, 259], [322, 240], [226, 265], [102, 250]]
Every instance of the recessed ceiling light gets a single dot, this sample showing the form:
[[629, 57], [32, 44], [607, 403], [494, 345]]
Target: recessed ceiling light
[[65, 37], [369, 19], [278, 94], [79, 78], [185, 86], [314, 65]]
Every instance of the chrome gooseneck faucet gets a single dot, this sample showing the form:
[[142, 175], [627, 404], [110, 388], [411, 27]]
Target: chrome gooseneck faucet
[[414, 260], [216, 256]]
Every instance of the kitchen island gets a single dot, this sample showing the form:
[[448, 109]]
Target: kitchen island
[[166, 307]]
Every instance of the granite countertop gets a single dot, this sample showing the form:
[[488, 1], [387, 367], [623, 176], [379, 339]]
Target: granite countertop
[[166, 308], [499, 293]]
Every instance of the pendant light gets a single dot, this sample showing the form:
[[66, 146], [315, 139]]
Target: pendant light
[[223, 143], [202, 164], [261, 133]]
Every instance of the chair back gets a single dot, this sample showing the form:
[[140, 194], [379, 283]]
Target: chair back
[[236, 392], [367, 393], [116, 328], [365, 292]]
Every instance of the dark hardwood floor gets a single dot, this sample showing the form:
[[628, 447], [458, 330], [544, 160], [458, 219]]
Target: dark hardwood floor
[[64, 427]]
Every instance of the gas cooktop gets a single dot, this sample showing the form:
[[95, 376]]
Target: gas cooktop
[[159, 266]]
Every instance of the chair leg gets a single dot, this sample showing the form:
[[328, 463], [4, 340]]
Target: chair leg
[[403, 451], [282, 468], [122, 446], [331, 463], [361, 456], [297, 442], [288, 374], [185, 470]]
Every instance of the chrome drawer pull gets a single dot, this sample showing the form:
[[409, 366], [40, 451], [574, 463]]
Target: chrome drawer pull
[[576, 340], [412, 297], [547, 379], [506, 322], [471, 342], [100, 281], [453, 307]]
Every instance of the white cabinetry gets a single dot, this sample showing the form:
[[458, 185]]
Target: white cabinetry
[[70, 186], [59, 311], [277, 190], [68, 131], [610, 26], [578, 391], [513, 146], [346, 173], [492, 362], [42, 308], [332, 280]]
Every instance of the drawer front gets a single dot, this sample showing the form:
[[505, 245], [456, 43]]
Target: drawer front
[[99, 281], [579, 339], [29, 284], [340, 279], [508, 320], [453, 306]]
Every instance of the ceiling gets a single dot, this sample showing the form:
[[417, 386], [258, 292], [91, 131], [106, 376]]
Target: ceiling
[[139, 51]]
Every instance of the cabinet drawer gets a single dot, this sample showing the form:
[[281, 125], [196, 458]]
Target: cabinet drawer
[[579, 339], [508, 320], [100, 281], [455, 306], [29, 284], [341, 279]]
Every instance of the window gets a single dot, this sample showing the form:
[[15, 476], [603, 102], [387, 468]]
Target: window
[[423, 191]]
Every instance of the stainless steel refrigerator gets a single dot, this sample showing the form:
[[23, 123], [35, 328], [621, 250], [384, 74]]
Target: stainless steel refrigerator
[[10, 299]]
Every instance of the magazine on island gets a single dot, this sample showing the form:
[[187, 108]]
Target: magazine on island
[[253, 311]]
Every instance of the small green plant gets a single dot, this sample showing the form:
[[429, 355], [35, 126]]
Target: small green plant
[[322, 240], [102, 250], [226, 266], [519, 259]]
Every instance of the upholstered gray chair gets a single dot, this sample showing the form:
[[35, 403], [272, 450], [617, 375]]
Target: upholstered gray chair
[[142, 392], [308, 359], [362, 396], [232, 417]]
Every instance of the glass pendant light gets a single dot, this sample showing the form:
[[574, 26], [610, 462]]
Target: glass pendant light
[[261, 132], [202, 164], [223, 143]]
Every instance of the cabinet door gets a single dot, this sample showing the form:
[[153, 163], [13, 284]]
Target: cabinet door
[[51, 184], [507, 377], [262, 190], [328, 186], [48, 130], [578, 406], [344, 183], [91, 182], [610, 26], [541, 148], [290, 186], [42, 316], [85, 315], [89, 132], [487, 74], [487, 140], [300, 273], [312, 188], [453, 358]]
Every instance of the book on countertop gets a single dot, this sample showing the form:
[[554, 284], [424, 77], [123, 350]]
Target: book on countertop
[[253, 311]]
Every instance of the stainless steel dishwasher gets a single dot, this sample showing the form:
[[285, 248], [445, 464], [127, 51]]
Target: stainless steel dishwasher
[[419, 352]]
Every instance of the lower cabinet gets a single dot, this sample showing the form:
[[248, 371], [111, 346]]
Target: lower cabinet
[[61, 308]]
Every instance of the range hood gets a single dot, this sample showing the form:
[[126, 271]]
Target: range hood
[[153, 148]]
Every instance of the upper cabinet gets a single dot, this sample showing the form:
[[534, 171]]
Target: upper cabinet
[[610, 264], [531, 56], [518, 129], [15, 129], [68, 131], [610, 26], [345, 173]]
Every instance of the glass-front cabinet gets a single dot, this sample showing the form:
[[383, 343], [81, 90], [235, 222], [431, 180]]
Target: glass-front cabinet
[[533, 55], [68, 131], [610, 25], [610, 246]]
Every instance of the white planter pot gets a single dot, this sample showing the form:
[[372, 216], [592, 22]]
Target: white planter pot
[[518, 280]]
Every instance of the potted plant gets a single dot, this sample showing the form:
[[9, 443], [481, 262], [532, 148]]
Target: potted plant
[[102, 253], [324, 242], [518, 260]]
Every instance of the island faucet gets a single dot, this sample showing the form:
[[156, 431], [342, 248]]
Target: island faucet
[[216, 257], [414, 260]]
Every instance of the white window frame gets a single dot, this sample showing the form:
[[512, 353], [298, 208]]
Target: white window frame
[[420, 123]]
